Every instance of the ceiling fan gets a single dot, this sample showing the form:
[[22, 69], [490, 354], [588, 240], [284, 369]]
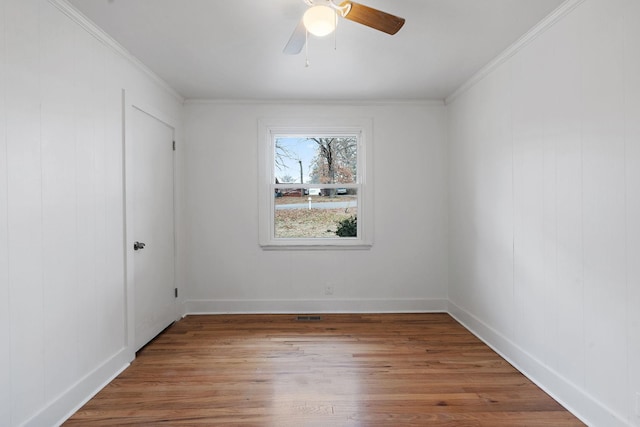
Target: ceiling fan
[[322, 17]]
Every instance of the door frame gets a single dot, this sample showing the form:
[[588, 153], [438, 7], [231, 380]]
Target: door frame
[[132, 102]]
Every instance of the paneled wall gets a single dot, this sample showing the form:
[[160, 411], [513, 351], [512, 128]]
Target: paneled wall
[[543, 220], [226, 270], [545, 209], [62, 273]]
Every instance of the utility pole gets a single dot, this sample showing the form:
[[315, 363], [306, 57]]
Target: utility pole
[[301, 182]]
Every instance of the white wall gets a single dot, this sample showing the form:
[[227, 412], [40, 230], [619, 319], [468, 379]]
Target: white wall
[[226, 270], [545, 209], [62, 286]]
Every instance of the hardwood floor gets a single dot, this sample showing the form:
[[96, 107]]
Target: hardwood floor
[[343, 370]]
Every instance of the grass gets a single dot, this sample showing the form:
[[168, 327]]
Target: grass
[[314, 223]]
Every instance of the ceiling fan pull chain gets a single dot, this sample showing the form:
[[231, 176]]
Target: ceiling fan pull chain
[[306, 49], [335, 34]]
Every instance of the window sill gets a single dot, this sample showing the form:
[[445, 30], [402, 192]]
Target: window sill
[[314, 246]]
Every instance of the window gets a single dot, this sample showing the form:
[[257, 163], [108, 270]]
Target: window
[[315, 184]]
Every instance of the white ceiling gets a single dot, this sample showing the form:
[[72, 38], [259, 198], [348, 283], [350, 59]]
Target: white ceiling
[[213, 49]]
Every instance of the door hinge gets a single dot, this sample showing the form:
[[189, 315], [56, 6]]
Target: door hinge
[[174, 146], [175, 291]]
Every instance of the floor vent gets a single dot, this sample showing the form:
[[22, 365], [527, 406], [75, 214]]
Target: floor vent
[[308, 318]]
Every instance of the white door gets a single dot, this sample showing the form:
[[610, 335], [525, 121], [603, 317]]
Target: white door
[[153, 232]]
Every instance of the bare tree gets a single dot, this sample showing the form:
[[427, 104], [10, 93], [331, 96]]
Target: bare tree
[[281, 154], [335, 160]]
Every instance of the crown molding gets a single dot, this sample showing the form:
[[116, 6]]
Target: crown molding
[[560, 12], [76, 16], [353, 102]]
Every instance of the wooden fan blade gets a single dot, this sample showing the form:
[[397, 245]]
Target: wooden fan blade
[[297, 40], [373, 18]]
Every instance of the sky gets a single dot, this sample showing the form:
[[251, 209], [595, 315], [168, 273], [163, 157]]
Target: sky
[[301, 149]]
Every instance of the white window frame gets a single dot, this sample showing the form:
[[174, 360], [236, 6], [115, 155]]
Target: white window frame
[[268, 131]]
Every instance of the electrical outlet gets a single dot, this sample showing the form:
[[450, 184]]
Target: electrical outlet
[[328, 290]]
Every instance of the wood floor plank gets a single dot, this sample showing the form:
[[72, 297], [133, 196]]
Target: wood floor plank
[[343, 370]]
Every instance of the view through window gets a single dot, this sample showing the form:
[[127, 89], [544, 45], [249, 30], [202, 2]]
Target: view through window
[[315, 186]]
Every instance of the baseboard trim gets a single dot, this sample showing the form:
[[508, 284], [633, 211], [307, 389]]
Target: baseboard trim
[[571, 396], [61, 408], [396, 305]]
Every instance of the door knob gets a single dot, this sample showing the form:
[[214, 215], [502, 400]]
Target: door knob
[[138, 245]]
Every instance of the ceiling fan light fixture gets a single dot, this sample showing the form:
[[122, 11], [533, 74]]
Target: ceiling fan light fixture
[[320, 20]]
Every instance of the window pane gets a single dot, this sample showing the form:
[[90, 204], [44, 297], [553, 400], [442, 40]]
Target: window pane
[[315, 160], [316, 216]]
